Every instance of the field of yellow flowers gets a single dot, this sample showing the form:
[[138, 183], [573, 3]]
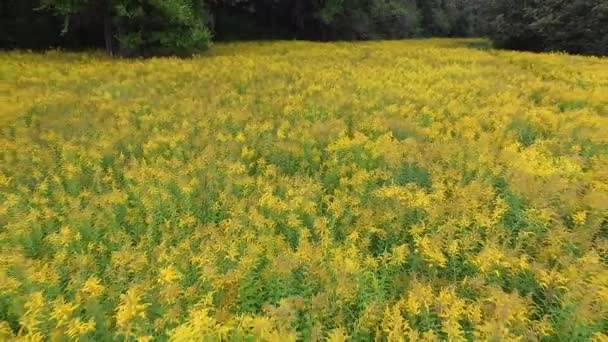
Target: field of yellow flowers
[[389, 191]]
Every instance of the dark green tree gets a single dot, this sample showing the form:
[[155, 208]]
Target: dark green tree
[[435, 20], [376, 19], [324, 19], [509, 24], [94, 12], [575, 26], [161, 27], [141, 27], [464, 17], [21, 26]]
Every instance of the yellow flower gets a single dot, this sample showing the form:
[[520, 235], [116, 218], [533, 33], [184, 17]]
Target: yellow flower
[[31, 318], [599, 337], [413, 305], [398, 178], [430, 336], [76, 328], [62, 311], [129, 309], [6, 332], [92, 287], [452, 307], [35, 302], [579, 218], [419, 296], [431, 251], [453, 330], [337, 335], [169, 275], [393, 326], [399, 255]]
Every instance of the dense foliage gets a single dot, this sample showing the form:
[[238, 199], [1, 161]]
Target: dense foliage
[[144, 27], [151, 26], [355, 19], [23, 27], [577, 26], [141, 27], [294, 190]]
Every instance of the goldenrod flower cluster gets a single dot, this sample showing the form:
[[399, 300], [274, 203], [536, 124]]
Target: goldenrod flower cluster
[[390, 191]]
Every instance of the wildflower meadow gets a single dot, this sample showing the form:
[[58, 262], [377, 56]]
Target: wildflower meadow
[[421, 190]]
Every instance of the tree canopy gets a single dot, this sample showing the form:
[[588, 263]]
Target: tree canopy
[[155, 27], [576, 26]]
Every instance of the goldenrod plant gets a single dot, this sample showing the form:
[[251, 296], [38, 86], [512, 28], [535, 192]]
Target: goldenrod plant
[[283, 191]]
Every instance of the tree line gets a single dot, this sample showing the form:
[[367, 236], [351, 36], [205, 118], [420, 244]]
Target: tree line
[[182, 27]]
